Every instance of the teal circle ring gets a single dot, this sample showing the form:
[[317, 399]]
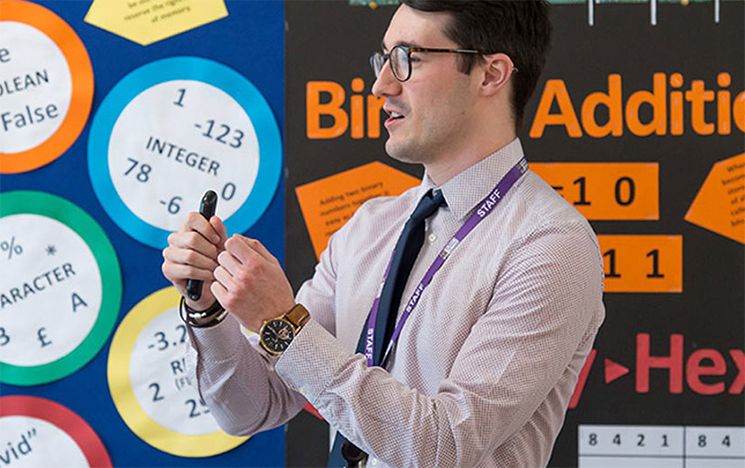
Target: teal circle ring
[[51, 206], [184, 68]]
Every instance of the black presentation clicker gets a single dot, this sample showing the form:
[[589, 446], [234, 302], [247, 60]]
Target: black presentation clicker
[[207, 208]]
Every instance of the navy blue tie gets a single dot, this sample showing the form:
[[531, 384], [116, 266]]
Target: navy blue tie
[[404, 255]]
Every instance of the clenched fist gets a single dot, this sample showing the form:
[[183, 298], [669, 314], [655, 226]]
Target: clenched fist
[[192, 254], [250, 282]]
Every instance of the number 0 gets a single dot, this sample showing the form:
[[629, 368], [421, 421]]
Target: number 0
[[228, 191], [631, 191]]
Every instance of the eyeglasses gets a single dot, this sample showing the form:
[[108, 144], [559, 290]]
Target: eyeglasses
[[401, 59]]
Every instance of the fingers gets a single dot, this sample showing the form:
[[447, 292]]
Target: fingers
[[196, 222], [221, 294], [189, 253], [247, 249], [229, 267], [242, 252], [259, 248], [219, 228], [239, 264], [191, 240], [229, 262], [250, 283], [223, 277], [182, 264], [178, 273], [189, 257]]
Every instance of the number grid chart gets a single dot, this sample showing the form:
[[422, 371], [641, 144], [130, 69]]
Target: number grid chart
[[621, 446]]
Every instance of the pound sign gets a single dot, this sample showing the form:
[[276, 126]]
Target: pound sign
[[40, 333]]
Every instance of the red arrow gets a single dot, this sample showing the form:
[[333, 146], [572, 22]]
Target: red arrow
[[582, 380], [614, 370], [309, 408]]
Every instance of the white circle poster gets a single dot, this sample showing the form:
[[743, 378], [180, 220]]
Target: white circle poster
[[37, 432], [60, 289], [46, 86], [173, 129], [151, 387], [40, 96]]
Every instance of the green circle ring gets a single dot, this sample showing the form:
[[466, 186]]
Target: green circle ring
[[51, 206]]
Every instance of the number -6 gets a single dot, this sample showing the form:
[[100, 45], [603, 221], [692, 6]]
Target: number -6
[[173, 205]]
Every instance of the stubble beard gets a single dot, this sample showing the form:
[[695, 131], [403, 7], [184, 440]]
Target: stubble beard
[[413, 150], [423, 150], [404, 152]]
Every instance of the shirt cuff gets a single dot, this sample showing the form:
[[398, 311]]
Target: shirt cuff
[[219, 342], [311, 361]]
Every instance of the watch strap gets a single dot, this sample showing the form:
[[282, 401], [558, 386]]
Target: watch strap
[[297, 316]]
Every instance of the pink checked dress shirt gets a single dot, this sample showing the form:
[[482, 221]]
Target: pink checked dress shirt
[[485, 365]]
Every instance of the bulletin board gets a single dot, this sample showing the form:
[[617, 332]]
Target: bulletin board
[[115, 118]]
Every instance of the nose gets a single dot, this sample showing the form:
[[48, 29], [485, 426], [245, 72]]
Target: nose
[[386, 84]]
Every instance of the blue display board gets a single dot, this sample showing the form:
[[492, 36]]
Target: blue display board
[[248, 44]]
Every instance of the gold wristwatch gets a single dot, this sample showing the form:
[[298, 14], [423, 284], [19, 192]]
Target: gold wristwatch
[[276, 334]]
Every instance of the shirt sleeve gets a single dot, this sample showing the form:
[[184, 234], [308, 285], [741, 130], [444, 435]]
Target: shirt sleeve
[[546, 305], [238, 380]]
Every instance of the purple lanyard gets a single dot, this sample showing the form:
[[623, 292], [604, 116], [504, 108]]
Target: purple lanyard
[[483, 210]]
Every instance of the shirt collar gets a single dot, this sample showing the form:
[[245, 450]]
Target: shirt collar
[[464, 191]]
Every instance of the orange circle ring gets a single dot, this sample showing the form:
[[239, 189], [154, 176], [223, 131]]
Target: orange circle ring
[[82, 85]]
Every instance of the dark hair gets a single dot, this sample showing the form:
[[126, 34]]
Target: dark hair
[[518, 28]]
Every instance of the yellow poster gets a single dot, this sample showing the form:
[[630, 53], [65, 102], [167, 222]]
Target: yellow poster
[[148, 21]]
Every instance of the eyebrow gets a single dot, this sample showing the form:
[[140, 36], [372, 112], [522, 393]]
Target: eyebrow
[[403, 43]]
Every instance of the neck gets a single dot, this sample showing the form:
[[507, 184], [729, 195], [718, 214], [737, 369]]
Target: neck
[[454, 162]]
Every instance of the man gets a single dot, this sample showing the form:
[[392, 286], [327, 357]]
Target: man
[[475, 364]]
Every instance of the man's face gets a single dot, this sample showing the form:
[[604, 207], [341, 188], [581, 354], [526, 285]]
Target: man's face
[[436, 102]]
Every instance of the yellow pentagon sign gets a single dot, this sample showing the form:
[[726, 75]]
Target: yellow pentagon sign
[[148, 21]]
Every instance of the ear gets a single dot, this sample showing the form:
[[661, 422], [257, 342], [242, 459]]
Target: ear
[[497, 70]]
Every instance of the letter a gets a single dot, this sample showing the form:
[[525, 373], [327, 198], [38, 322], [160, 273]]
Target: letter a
[[77, 301]]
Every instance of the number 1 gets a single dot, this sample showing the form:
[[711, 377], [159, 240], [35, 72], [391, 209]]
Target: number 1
[[655, 254], [582, 192], [180, 101], [611, 254]]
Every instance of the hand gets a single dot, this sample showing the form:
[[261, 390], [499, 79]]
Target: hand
[[250, 283], [192, 254]]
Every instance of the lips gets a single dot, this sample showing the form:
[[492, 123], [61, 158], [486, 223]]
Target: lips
[[391, 121], [395, 116]]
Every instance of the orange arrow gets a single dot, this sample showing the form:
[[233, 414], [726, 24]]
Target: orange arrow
[[328, 203], [720, 204], [614, 370]]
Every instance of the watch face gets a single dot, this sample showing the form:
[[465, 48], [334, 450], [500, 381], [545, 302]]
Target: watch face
[[277, 335]]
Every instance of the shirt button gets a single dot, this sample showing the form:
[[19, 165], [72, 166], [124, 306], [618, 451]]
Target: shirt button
[[432, 238], [373, 462]]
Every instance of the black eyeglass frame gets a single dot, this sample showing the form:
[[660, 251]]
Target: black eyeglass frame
[[409, 51]]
